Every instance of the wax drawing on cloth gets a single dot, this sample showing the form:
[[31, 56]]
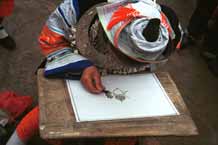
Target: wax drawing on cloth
[[124, 97], [116, 93]]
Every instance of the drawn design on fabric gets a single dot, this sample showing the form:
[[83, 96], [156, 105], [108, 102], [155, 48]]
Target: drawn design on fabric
[[117, 94]]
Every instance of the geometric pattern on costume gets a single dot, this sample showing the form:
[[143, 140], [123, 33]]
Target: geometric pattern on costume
[[54, 39]]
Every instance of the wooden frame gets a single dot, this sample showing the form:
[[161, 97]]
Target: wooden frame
[[57, 118]]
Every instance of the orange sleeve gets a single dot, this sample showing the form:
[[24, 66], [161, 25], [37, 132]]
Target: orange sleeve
[[29, 125], [51, 41]]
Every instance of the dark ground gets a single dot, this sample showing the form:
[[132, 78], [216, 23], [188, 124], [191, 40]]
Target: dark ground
[[189, 71]]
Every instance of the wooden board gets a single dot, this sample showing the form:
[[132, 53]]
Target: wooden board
[[57, 118]]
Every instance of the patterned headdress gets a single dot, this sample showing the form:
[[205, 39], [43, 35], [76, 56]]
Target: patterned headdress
[[118, 39]]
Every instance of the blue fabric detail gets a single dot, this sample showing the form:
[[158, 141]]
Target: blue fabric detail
[[59, 52], [65, 76], [76, 68], [56, 30], [76, 7], [63, 16]]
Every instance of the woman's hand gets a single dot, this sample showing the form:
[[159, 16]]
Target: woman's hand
[[91, 80]]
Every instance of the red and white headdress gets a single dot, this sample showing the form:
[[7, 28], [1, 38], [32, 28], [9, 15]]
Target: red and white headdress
[[124, 22]]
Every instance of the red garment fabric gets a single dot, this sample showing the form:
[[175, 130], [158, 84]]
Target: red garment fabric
[[122, 14], [50, 41], [14, 104], [29, 125], [6, 7]]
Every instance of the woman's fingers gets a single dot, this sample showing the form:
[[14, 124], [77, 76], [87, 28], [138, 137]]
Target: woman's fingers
[[91, 80], [89, 85], [98, 83]]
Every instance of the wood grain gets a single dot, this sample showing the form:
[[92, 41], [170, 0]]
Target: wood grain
[[57, 118]]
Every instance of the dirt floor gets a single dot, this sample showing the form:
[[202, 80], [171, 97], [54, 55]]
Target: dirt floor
[[189, 71]]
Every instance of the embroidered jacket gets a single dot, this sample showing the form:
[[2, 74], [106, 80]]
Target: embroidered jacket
[[55, 34]]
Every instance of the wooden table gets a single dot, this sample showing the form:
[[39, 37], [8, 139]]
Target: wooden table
[[57, 118]]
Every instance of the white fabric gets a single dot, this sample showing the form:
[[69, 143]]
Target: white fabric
[[4, 122], [113, 1], [56, 24], [150, 50], [128, 42], [62, 57], [59, 23], [15, 140], [147, 8], [145, 97], [3, 33]]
